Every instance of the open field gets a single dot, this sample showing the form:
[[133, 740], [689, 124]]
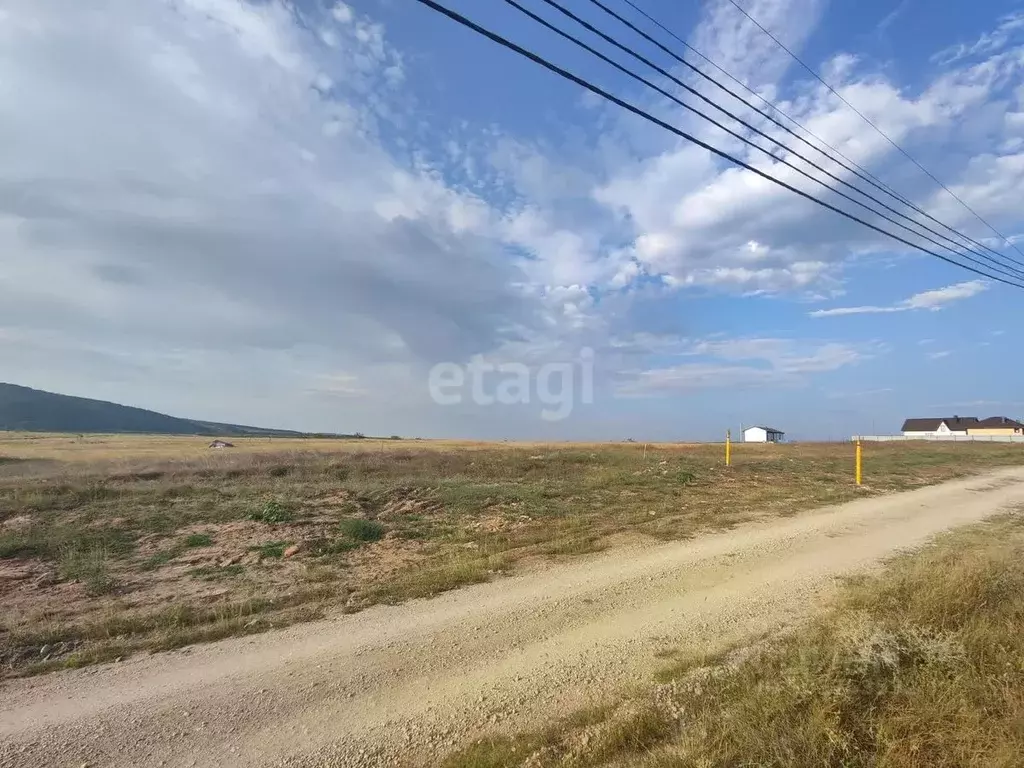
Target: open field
[[110, 545], [464, 672]]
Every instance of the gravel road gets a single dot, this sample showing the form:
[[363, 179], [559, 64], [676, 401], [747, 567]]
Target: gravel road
[[405, 683]]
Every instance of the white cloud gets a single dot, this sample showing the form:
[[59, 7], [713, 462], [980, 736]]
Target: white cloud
[[859, 395], [988, 42], [743, 362], [219, 204], [159, 204], [692, 217], [939, 355], [932, 300], [733, 42]]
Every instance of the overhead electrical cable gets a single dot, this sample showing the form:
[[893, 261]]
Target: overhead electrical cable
[[868, 176], [1006, 261], [985, 261], [597, 90], [880, 132]]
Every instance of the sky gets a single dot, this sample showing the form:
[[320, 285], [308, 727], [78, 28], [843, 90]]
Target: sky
[[360, 216]]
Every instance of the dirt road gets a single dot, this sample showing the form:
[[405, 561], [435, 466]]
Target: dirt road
[[412, 680]]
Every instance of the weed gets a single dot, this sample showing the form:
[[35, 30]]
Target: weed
[[194, 540], [360, 529], [271, 512], [683, 477], [432, 579], [327, 547], [160, 558], [27, 543], [216, 572], [272, 549], [88, 566]]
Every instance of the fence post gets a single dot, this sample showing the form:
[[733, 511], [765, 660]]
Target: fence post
[[859, 459], [728, 447]]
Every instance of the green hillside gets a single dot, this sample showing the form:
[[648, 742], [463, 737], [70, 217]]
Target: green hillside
[[32, 410]]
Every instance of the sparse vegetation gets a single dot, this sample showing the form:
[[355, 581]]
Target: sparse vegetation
[[88, 566], [921, 665], [272, 512], [198, 540], [148, 522], [360, 530], [216, 572], [272, 549]]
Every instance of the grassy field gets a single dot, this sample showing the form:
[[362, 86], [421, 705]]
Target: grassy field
[[921, 665], [109, 545]]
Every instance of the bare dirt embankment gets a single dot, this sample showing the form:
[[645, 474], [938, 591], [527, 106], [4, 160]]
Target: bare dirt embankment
[[409, 682]]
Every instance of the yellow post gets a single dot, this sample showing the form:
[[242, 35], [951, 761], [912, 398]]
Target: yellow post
[[728, 447], [859, 458]]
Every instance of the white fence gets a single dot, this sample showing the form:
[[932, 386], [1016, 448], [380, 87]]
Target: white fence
[[942, 438]]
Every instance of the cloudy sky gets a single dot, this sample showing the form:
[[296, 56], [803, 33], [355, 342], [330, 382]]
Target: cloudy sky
[[287, 214]]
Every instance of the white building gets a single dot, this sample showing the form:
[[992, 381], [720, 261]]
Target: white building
[[762, 435]]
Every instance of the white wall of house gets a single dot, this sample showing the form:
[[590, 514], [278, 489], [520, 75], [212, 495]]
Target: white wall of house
[[941, 431], [760, 435], [755, 435]]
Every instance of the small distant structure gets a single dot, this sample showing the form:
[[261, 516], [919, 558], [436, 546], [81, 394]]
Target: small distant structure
[[762, 434], [221, 444]]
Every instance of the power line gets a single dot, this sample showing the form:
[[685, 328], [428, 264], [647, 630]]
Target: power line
[[494, 37], [1007, 261], [1014, 272], [988, 263], [877, 129], [869, 176]]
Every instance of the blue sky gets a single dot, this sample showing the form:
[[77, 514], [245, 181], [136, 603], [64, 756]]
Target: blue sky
[[288, 214]]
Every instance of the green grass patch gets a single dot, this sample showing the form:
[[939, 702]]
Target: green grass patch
[[273, 550], [88, 565], [436, 577], [216, 572], [271, 512], [361, 530]]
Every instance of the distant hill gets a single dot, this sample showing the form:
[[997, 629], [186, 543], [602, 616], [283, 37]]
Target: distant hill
[[32, 410]]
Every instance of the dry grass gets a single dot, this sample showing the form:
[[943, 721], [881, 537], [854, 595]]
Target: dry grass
[[105, 540], [920, 666]]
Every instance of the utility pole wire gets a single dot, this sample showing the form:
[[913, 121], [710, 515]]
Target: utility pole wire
[[868, 176], [880, 132], [988, 263], [494, 37], [865, 176]]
